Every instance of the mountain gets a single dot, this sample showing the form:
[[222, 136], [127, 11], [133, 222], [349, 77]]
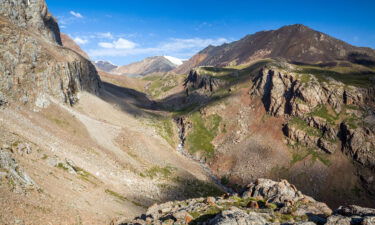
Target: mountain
[[34, 64], [105, 65], [294, 43], [71, 44], [149, 65]]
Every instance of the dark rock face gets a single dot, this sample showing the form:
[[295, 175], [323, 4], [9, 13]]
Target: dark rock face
[[295, 43], [262, 202], [33, 65], [197, 81]]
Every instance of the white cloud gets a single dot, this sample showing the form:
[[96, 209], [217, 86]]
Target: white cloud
[[76, 14], [80, 41], [108, 35], [121, 43], [175, 46]]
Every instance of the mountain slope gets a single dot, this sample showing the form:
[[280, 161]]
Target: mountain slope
[[149, 65], [105, 66], [294, 43], [34, 64]]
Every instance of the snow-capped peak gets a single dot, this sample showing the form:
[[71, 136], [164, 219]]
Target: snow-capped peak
[[174, 60]]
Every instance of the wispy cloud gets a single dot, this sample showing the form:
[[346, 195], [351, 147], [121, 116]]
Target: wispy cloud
[[176, 46], [121, 43], [80, 41], [107, 35], [76, 14]]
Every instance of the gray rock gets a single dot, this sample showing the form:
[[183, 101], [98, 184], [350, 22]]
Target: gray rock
[[33, 65], [19, 179], [235, 216]]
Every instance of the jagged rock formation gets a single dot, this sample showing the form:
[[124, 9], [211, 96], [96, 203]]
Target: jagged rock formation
[[295, 43], [149, 65], [320, 114], [196, 80], [262, 202], [33, 64], [71, 44]]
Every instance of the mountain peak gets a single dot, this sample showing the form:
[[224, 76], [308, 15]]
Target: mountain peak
[[295, 43]]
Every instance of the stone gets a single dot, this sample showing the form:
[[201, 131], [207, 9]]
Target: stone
[[34, 66]]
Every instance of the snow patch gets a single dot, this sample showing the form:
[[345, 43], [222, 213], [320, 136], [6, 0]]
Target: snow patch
[[174, 60]]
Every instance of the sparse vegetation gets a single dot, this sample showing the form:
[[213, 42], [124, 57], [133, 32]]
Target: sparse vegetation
[[322, 112], [348, 77], [204, 130], [160, 172], [302, 125], [165, 128]]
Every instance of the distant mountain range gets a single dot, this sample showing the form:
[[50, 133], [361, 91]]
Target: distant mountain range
[[105, 66], [155, 64], [294, 43]]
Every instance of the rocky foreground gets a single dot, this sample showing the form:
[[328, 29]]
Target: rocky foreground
[[262, 202]]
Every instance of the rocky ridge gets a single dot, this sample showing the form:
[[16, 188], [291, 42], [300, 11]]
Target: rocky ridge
[[325, 116], [35, 66], [294, 43], [262, 202]]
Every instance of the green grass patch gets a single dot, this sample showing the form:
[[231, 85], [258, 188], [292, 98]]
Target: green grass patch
[[358, 79], [302, 125], [322, 112], [157, 171], [202, 133], [165, 128]]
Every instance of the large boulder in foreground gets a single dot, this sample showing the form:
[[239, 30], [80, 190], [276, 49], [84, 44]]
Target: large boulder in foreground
[[262, 202]]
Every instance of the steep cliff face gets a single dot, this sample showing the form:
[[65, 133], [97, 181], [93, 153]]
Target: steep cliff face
[[323, 115], [33, 63], [32, 15]]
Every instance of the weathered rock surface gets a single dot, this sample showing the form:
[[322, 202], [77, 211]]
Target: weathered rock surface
[[196, 80], [33, 65], [11, 172], [321, 114], [32, 15], [278, 203]]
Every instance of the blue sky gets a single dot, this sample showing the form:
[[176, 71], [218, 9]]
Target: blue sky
[[124, 31]]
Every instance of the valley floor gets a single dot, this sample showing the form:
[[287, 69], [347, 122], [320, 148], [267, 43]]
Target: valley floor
[[90, 163]]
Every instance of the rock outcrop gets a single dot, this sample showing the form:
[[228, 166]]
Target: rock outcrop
[[33, 64], [262, 202], [197, 80], [11, 172], [32, 15], [321, 113]]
